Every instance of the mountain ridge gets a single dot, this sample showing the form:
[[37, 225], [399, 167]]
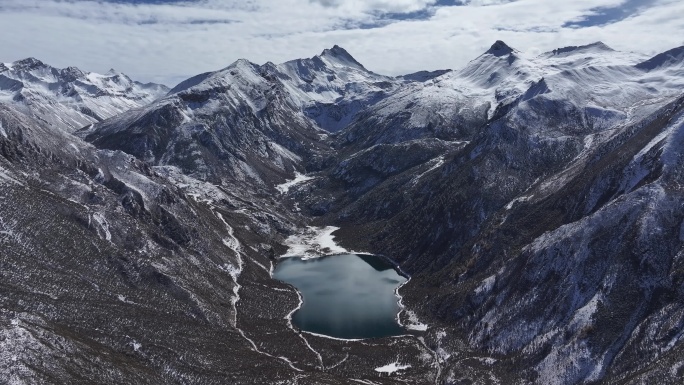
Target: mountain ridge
[[534, 202], [69, 98]]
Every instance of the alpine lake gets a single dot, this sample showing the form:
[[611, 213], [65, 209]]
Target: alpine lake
[[347, 296]]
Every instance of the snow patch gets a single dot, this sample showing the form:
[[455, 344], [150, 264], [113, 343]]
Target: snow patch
[[488, 360], [436, 163], [104, 225], [518, 199], [583, 316], [486, 285], [414, 323], [313, 242], [299, 178], [391, 368]]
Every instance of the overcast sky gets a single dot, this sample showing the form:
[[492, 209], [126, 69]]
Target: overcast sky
[[169, 40]]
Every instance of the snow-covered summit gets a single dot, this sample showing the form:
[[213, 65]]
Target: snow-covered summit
[[499, 65], [329, 88], [70, 98], [340, 56], [333, 87], [499, 48], [673, 57], [581, 49], [27, 64], [592, 81]]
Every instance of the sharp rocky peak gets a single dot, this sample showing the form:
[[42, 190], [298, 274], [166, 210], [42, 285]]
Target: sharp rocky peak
[[68, 74], [339, 54], [114, 74], [240, 66], [71, 73], [27, 64], [336, 50], [244, 64], [499, 48]]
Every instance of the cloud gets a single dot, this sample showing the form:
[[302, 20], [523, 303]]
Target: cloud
[[328, 3], [168, 41], [377, 6]]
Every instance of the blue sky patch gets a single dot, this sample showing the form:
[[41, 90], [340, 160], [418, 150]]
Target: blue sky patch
[[609, 15]]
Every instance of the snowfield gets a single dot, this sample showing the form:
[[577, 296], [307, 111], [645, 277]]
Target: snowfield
[[298, 179], [313, 242], [392, 368]]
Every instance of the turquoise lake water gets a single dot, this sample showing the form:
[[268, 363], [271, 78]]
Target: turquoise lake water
[[345, 296]]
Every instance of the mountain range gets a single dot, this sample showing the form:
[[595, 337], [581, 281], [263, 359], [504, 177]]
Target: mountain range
[[534, 201]]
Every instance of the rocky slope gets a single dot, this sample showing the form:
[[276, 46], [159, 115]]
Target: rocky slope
[[533, 200]]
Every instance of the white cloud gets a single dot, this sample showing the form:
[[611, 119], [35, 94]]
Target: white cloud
[[376, 5], [171, 42]]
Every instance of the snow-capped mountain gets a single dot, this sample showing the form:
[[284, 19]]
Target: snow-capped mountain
[[594, 81], [551, 215], [669, 61], [247, 121], [69, 99], [330, 88], [237, 123], [333, 87], [535, 202]]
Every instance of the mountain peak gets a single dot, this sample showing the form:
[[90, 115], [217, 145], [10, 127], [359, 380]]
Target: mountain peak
[[71, 73], [600, 45], [499, 48], [336, 50], [340, 55], [667, 58], [597, 46], [27, 64], [244, 64]]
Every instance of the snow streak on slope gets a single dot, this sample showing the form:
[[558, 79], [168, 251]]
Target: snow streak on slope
[[235, 271]]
